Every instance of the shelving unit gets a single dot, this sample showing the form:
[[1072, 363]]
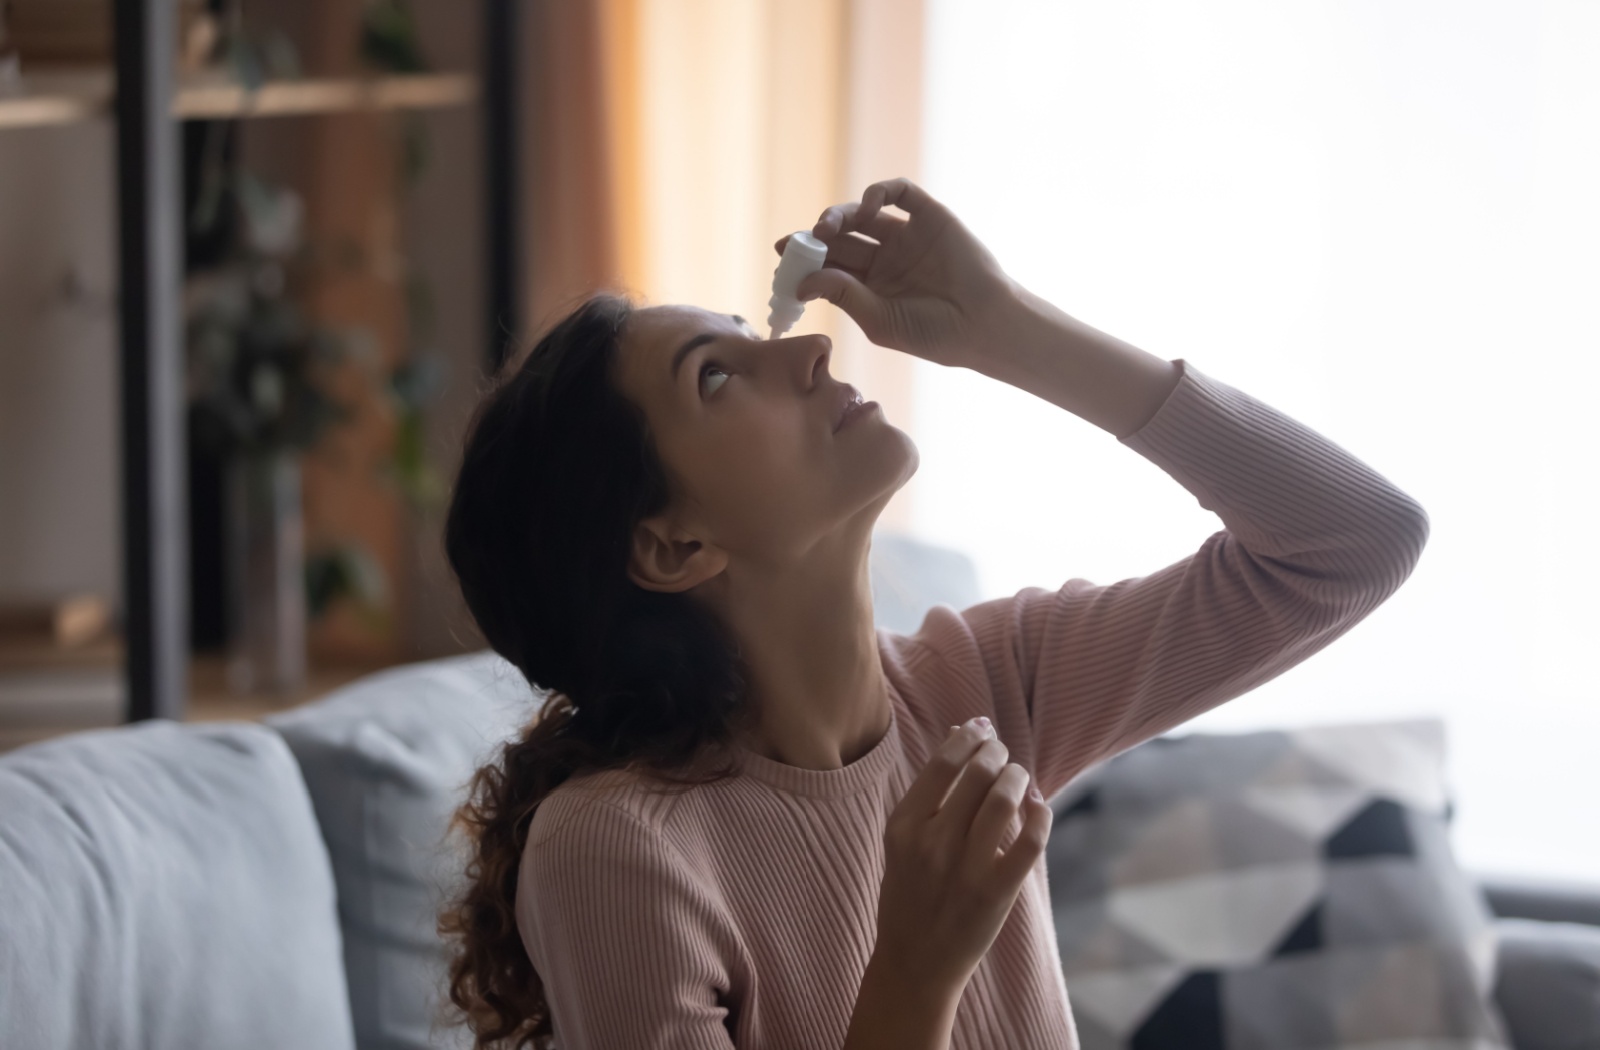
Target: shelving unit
[[56, 691], [147, 100], [70, 96]]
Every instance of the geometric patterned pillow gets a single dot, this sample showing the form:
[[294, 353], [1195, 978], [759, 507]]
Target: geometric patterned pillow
[[1278, 890]]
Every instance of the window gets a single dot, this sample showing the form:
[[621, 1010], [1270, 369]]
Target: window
[[1378, 218]]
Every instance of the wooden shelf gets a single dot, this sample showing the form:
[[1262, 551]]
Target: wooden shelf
[[53, 101], [46, 691], [73, 96], [141, 101], [30, 655]]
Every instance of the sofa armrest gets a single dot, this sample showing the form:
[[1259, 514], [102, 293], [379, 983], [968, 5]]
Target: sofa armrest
[[1547, 983], [1551, 900]]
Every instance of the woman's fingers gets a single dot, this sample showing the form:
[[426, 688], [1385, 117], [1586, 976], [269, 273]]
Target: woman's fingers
[[902, 193], [849, 293], [1014, 863], [993, 819], [928, 790], [852, 252], [831, 222], [967, 796], [848, 218]]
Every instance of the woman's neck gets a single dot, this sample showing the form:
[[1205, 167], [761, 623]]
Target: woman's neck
[[814, 675]]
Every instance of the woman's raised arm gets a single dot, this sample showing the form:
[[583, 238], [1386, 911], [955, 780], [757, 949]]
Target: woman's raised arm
[[1315, 538], [923, 284]]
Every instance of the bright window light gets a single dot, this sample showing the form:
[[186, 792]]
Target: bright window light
[[1380, 218]]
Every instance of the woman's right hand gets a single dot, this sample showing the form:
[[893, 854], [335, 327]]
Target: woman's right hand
[[949, 879], [919, 283]]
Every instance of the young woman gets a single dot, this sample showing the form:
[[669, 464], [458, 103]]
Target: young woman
[[748, 818]]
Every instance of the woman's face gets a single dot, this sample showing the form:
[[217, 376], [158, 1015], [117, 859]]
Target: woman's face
[[746, 430]]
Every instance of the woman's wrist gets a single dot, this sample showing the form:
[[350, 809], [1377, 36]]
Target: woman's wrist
[[1035, 346], [897, 1010]]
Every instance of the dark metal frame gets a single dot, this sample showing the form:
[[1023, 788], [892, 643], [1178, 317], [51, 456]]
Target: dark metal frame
[[154, 501], [155, 537], [500, 174]]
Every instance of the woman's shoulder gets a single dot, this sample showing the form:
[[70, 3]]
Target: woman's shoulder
[[630, 799], [597, 847], [600, 797], [944, 636], [940, 661]]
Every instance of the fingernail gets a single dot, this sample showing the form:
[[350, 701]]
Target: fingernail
[[1033, 793], [982, 721]]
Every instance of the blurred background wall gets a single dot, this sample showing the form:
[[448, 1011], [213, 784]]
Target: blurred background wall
[[58, 365], [666, 145], [674, 141], [1379, 219]]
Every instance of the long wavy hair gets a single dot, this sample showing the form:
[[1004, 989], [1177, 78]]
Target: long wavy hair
[[557, 469]]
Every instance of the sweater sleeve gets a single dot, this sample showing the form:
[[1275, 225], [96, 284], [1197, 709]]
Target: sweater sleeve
[[620, 932], [1314, 541]]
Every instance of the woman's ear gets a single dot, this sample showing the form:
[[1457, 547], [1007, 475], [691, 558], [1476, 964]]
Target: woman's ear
[[666, 559]]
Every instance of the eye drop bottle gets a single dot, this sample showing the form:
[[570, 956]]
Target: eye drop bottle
[[802, 255]]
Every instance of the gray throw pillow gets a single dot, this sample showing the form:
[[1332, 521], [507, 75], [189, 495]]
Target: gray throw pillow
[[1265, 890], [164, 885], [387, 760], [1549, 983]]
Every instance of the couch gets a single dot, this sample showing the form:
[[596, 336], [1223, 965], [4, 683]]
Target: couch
[[275, 885]]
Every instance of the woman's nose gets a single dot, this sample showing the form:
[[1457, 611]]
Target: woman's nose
[[813, 352]]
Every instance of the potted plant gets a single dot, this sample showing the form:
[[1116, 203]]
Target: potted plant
[[257, 371]]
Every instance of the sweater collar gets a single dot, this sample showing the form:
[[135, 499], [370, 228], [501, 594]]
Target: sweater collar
[[865, 773]]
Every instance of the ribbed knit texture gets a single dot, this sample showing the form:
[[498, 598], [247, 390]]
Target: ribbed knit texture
[[743, 914]]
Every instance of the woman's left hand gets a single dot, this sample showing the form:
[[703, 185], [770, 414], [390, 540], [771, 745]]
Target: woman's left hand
[[922, 284]]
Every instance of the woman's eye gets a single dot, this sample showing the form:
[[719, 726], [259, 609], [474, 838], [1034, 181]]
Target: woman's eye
[[711, 368]]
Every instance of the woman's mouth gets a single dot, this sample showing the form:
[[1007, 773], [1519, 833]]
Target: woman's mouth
[[854, 410]]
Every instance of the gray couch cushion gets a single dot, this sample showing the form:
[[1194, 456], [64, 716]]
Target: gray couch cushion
[[165, 886], [1552, 899], [909, 576], [387, 760], [1548, 985]]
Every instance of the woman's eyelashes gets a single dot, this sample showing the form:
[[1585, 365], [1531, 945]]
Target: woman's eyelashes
[[711, 366]]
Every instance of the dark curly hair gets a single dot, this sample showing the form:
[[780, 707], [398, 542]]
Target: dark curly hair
[[557, 469]]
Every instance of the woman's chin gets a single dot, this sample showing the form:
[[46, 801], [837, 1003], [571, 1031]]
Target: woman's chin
[[912, 457], [899, 471]]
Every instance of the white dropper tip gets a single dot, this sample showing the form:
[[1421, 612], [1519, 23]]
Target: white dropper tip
[[802, 255]]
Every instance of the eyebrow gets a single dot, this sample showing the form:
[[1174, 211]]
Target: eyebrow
[[699, 340]]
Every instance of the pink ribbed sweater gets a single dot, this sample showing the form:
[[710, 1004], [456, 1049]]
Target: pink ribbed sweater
[[743, 914]]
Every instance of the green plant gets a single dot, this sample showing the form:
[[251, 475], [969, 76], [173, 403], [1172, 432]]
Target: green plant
[[257, 368], [390, 41], [347, 569]]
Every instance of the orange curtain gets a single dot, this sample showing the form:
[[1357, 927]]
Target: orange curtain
[[671, 142], [571, 224]]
